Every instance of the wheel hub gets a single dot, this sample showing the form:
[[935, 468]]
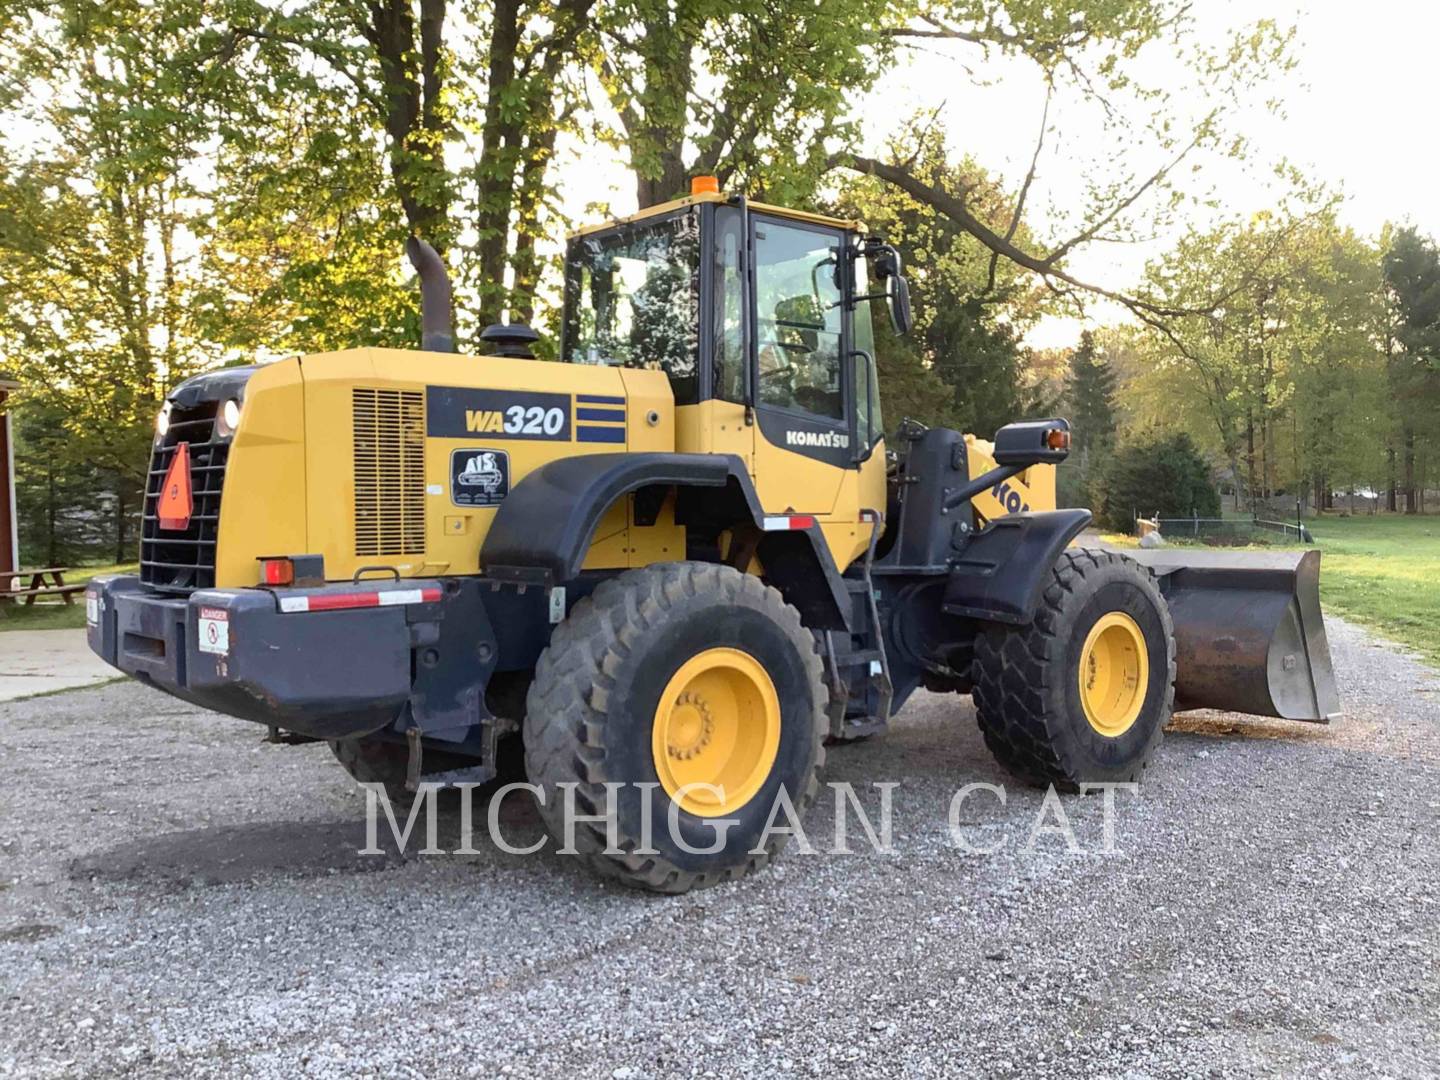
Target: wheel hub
[[716, 732], [691, 727], [1114, 674]]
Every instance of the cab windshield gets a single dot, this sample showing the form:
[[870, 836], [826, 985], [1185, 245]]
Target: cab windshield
[[632, 299]]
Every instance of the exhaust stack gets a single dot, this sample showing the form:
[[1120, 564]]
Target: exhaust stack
[[436, 333]]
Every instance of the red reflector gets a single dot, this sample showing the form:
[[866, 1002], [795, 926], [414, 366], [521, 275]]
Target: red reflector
[[801, 521], [341, 601], [277, 572], [176, 502], [336, 601], [1057, 439]]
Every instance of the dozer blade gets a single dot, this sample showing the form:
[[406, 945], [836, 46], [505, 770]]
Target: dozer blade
[[1249, 637]]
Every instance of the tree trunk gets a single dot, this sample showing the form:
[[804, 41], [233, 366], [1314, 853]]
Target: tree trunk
[[1390, 482], [495, 172], [670, 184], [1250, 478], [52, 542], [669, 78], [1411, 505], [120, 545], [414, 124], [528, 201]]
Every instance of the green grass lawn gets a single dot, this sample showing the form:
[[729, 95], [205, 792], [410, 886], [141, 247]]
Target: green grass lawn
[[1383, 571], [50, 613]]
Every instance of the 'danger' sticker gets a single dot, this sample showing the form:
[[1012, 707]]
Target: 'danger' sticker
[[215, 631]]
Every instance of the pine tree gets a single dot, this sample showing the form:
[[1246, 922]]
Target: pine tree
[[1090, 402]]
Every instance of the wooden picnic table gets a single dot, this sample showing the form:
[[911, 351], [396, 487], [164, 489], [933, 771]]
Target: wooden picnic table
[[13, 589]]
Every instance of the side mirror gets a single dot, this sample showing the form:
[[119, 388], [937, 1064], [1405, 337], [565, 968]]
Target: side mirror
[[885, 261], [898, 290]]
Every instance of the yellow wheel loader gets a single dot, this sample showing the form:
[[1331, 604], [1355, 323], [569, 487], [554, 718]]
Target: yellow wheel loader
[[667, 568]]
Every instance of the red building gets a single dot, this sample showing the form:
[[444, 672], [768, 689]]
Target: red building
[[9, 527]]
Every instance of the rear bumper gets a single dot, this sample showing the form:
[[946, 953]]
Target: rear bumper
[[324, 673]]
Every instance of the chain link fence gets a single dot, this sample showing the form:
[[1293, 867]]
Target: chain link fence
[[1224, 531]]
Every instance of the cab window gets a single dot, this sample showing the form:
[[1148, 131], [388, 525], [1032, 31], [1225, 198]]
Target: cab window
[[729, 307], [868, 424], [798, 313], [632, 299]]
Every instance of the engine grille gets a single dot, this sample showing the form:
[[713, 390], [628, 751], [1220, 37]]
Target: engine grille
[[389, 471], [182, 561]]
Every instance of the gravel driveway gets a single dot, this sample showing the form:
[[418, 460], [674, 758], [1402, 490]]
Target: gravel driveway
[[178, 897]]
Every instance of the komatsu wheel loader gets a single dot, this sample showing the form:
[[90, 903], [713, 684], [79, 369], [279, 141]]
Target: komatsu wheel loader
[[676, 561]]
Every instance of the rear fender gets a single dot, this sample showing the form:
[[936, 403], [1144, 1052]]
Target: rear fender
[[545, 525]]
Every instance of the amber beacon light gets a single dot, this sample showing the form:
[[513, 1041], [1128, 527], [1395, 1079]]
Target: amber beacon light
[[704, 185]]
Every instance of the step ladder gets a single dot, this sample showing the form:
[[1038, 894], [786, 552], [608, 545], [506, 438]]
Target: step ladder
[[850, 713]]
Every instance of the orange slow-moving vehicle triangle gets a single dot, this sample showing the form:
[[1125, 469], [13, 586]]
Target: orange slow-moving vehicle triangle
[[176, 501]]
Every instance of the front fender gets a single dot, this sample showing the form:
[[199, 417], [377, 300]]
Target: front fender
[[1001, 571]]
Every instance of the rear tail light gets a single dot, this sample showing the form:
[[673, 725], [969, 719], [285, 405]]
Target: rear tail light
[[277, 572]]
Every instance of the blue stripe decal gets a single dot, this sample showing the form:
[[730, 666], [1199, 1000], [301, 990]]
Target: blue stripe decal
[[600, 434], [600, 414], [600, 399]]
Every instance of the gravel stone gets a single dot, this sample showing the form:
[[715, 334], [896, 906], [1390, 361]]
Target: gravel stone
[[179, 898]]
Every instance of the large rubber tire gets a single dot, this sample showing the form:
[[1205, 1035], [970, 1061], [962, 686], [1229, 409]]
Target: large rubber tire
[[592, 709], [1027, 682]]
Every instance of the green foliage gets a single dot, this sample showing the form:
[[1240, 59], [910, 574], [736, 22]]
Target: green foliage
[[760, 88], [1156, 474], [1089, 405], [66, 505], [1412, 274], [1280, 370], [1090, 398], [963, 366], [189, 184]]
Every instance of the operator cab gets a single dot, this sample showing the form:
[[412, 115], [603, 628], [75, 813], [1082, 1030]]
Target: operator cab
[[741, 302]]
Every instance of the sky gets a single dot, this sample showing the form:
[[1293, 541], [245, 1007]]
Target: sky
[[1357, 115]]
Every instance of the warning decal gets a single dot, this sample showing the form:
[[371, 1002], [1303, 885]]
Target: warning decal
[[215, 631]]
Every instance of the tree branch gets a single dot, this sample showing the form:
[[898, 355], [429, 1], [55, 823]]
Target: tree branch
[[956, 210]]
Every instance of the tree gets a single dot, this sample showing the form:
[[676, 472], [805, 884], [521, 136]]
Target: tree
[[1412, 276], [754, 90], [1286, 379], [1090, 396], [531, 47], [1088, 51], [1090, 404], [410, 73], [101, 314], [964, 365], [1160, 474]]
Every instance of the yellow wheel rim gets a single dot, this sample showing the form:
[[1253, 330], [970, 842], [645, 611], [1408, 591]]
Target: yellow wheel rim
[[1114, 674], [717, 723]]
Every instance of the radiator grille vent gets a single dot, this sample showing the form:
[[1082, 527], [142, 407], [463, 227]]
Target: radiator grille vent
[[389, 471], [182, 560]]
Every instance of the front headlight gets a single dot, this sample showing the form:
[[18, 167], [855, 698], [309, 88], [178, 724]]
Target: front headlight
[[228, 419], [162, 422]]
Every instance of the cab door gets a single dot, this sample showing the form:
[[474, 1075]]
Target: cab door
[[801, 389]]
